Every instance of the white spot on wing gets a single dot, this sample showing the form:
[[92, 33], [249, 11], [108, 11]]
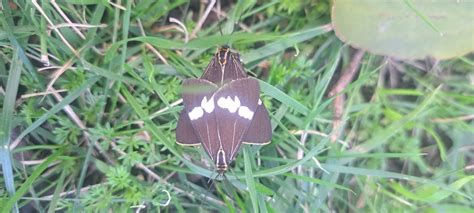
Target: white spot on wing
[[208, 106], [234, 106], [196, 113], [245, 112], [229, 104], [259, 101]]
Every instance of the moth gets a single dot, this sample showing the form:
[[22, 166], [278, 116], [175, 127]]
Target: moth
[[222, 110]]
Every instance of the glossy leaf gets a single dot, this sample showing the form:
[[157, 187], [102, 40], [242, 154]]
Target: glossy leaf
[[406, 29]]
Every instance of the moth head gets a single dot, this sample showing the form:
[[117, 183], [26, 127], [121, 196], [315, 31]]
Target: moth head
[[221, 169], [220, 176], [222, 54]]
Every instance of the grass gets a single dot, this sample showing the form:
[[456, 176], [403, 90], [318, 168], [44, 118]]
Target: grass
[[89, 113]]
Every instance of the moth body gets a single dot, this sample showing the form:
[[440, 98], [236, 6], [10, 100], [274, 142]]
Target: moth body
[[222, 110]]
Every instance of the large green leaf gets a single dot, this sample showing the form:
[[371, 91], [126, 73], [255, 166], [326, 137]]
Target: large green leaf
[[406, 29]]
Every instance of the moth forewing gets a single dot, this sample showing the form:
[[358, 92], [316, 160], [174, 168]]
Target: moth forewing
[[236, 105], [198, 98]]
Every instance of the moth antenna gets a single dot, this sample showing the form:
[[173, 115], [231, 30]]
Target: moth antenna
[[227, 187], [236, 24], [219, 24]]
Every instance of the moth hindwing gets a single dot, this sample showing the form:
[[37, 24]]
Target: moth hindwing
[[222, 110]]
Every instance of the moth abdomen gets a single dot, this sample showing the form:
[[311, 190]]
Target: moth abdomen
[[221, 161]]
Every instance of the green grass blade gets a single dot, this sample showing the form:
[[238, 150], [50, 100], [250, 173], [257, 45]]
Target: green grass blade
[[56, 108], [289, 166], [249, 179], [322, 87], [125, 27], [282, 97], [384, 174], [391, 130], [318, 181], [31, 179], [6, 19], [6, 124], [423, 17], [57, 191], [282, 44]]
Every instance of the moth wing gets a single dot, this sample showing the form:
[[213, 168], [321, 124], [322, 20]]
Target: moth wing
[[233, 69], [213, 71], [185, 135], [260, 130], [199, 104], [194, 91], [236, 103]]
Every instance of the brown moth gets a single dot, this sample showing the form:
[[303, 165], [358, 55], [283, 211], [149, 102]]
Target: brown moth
[[222, 110]]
